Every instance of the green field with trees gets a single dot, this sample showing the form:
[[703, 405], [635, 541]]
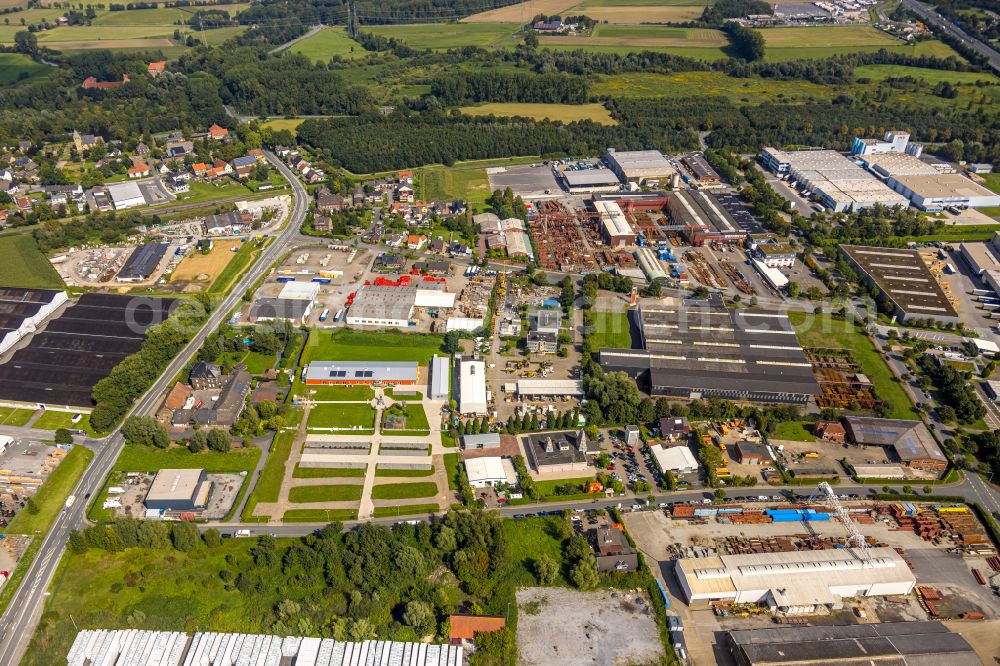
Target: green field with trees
[[24, 265]]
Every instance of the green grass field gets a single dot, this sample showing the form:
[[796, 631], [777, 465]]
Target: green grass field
[[136, 458], [318, 515], [52, 495], [234, 269], [327, 43], [684, 85], [826, 332], [701, 43], [348, 345], [797, 431], [443, 36], [13, 416], [341, 393], [529, 539], [290, 124], [416, 421], [338, 493], [347, 415], [404, 491], [17, 67], [24, 265], [268, 484], [405, 510], [799, 43], [51, 420], [471, 185], [881, 72], [610, 329], [327, 472], [566, 113]]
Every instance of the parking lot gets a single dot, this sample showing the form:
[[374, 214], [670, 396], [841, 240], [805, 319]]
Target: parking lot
[[530, 182]]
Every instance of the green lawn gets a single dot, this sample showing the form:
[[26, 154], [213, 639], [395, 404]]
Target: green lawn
[[549, 487], [24, 265], [318, 515], [339, 393], [797, 431], [610, 329], [327, 43], [403, 472], [530, 538], [136, 458], [12, 416], [347, 415], [992, 181], [404, 491], [345, 344], [452, 462], [327, 472], [812, 42], [17, 67], [826, 332], [406, 510], [403, 397], [271, 475], [51, 420], [416, 421], [443, 36], [51, 497], [338, 493], [439, 182]]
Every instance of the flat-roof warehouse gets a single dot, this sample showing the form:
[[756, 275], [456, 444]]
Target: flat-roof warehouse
[[179, 490], [702, 349], [903, 277], [142, 262], [389, 373], [591, 180], [888, 644], [703, 217], [637, 166]]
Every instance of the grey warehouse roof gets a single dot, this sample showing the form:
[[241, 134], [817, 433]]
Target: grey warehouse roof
[[143, 261], [903, 276], [362, 371]]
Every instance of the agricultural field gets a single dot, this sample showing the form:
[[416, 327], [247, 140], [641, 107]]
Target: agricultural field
[[24, 265], [881, 72], [443, 36], [200, 270], [826, 41], [683, 85], [327, 43], [522, 12], [701, 43], [635, 15], [15, 67], [566, 113], [290, 124]]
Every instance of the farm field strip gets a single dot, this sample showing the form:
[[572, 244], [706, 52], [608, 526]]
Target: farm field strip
[[566, 113]]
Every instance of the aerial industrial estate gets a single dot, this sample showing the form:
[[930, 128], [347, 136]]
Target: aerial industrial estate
[[499, 333]]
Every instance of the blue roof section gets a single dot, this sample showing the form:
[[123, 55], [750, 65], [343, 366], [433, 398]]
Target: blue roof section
[[244, 161]]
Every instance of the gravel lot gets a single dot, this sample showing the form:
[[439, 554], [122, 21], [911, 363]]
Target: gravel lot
[[600, 628]]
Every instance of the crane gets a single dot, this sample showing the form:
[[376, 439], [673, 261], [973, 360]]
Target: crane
[[855, 538]]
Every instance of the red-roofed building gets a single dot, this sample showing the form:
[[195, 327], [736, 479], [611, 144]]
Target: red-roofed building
[[91, 83], [156, 68], [138, 170], [199, 169], [218, 133], [465, 627]]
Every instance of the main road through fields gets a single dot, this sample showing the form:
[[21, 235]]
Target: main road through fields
[[21, 616]]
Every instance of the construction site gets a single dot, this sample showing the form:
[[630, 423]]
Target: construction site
[[934, 561]]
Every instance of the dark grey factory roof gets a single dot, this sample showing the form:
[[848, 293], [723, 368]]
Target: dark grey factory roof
[[143, 261], [890, 643], [279, 308], [699, 167], [701, 209], [708, 347], [903, 276], [535, 445]]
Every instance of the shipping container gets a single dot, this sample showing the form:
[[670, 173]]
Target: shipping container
[[286, 279]]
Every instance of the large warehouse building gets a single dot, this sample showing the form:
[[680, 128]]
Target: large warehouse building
[[23, 310], [639, 166], [917, 643], [703, 218], [903, 277], [702, 349], [939, 191], [126, 195], [591, 180], [797, 581], [472, 397], [910, 441], [179, 490], [391, 305], [840, 184]]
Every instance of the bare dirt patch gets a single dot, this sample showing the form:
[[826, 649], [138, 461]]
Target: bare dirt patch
[[599, 628], [522, 12], [204, 268]]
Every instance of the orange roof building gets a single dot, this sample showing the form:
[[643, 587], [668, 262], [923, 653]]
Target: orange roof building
[[156, 68], [217, 132], [465, 627]]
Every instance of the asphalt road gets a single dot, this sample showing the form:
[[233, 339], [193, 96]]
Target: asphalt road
[[949, 28], [18, 622]]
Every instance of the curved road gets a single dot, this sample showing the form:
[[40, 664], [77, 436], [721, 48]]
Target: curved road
[[18, 622]]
